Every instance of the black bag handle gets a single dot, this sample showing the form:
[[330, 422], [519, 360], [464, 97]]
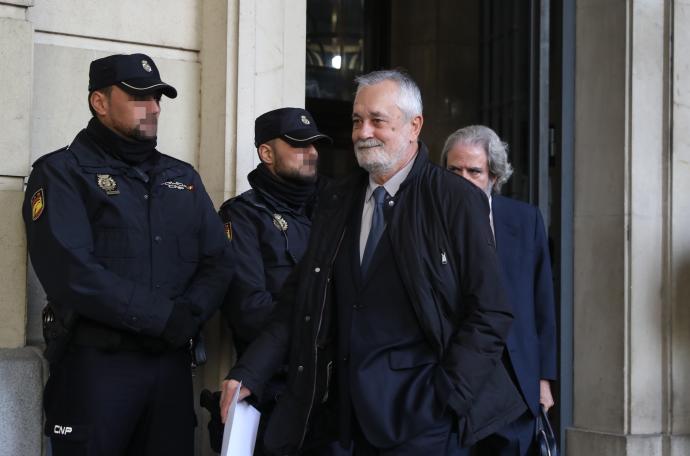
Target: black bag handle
[[545, 438]]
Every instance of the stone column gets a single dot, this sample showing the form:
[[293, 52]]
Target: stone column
[[271, 47], [16, 46], [20, 368], [252, 60], [218, 57], [679, 235], [626, 240]]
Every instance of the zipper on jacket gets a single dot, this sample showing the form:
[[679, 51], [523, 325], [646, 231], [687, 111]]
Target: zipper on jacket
[[148, 185], [316, 340]]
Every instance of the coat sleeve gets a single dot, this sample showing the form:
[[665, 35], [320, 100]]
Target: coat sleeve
[[545, 308], [269, 350], [216, 265], [484, 315], [60, 244], [247, 303]]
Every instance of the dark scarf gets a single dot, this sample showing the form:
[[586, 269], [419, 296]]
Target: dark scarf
[[294, 194], [131, 151]]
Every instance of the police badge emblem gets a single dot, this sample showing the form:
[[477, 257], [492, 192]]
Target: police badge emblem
[[280, 222], [107, 183], [37, 204], [146, 66], [304, 120]]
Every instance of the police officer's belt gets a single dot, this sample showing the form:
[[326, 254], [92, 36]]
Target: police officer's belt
[[89, 333]]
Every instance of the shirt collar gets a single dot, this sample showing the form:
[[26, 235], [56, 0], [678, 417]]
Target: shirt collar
[[392, 185]]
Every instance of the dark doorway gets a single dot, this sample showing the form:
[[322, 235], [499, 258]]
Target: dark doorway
[[345, 38], [488, 62]]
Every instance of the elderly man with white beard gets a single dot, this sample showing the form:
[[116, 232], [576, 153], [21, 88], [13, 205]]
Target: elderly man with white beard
[[392, 325]]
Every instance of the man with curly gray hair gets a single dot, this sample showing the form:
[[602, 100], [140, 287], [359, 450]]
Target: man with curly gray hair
[[486, 141], [478, 154]]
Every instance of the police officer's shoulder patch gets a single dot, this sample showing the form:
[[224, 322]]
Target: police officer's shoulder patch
[[37, 204], [228, 230]]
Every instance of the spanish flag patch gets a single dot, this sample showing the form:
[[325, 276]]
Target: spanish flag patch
[[37, 204]]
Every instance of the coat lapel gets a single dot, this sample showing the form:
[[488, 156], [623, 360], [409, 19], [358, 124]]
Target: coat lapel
[[506, 231]]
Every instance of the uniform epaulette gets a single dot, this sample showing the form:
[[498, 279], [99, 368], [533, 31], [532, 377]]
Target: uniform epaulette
[[248, 196], [254, 198], [49, 154], [177, 160]]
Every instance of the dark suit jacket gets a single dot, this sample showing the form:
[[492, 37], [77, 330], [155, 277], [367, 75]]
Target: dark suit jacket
[[524, 255], [385, 364]]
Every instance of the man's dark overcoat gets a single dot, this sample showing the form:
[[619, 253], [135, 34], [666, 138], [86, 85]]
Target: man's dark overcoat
[[444, 249]]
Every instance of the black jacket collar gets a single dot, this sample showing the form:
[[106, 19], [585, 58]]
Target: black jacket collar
[[90, 155], [420, 162]]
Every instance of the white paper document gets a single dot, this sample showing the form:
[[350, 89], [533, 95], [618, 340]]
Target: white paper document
[[241, 425]]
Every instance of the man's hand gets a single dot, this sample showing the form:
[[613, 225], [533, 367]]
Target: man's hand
[[227, 393], [545, 396], [183, 323]]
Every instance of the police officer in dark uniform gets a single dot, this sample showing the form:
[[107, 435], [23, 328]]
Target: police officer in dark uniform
[[270, 225], [133, 259]]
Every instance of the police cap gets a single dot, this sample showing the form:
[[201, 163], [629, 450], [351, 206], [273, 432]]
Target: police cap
[[136, 74], [293, 125]]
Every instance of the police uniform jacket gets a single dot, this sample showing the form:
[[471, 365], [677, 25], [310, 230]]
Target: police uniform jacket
[[115, 245], [444, 250], [269, 239]]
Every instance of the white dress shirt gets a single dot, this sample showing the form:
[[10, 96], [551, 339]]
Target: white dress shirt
[[491, 217]]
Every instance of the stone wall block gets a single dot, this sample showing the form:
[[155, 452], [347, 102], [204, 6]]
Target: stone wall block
[[168, 23], [12, 271], [21, 377], [680, 231], [16, 46], [599, 324]]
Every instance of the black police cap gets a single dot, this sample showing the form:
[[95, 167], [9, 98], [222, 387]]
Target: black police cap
[[293, 125], [136, 74]]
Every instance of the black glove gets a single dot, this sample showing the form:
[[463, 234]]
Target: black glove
[[183, 323]]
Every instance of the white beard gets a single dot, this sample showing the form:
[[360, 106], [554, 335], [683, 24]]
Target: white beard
[[375, 160]]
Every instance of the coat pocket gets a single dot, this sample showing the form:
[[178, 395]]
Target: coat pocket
[[115, 243], [408, 358], [496, 404]]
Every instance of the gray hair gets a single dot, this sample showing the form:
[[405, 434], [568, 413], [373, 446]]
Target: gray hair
[[409, 97], [496, 151]]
